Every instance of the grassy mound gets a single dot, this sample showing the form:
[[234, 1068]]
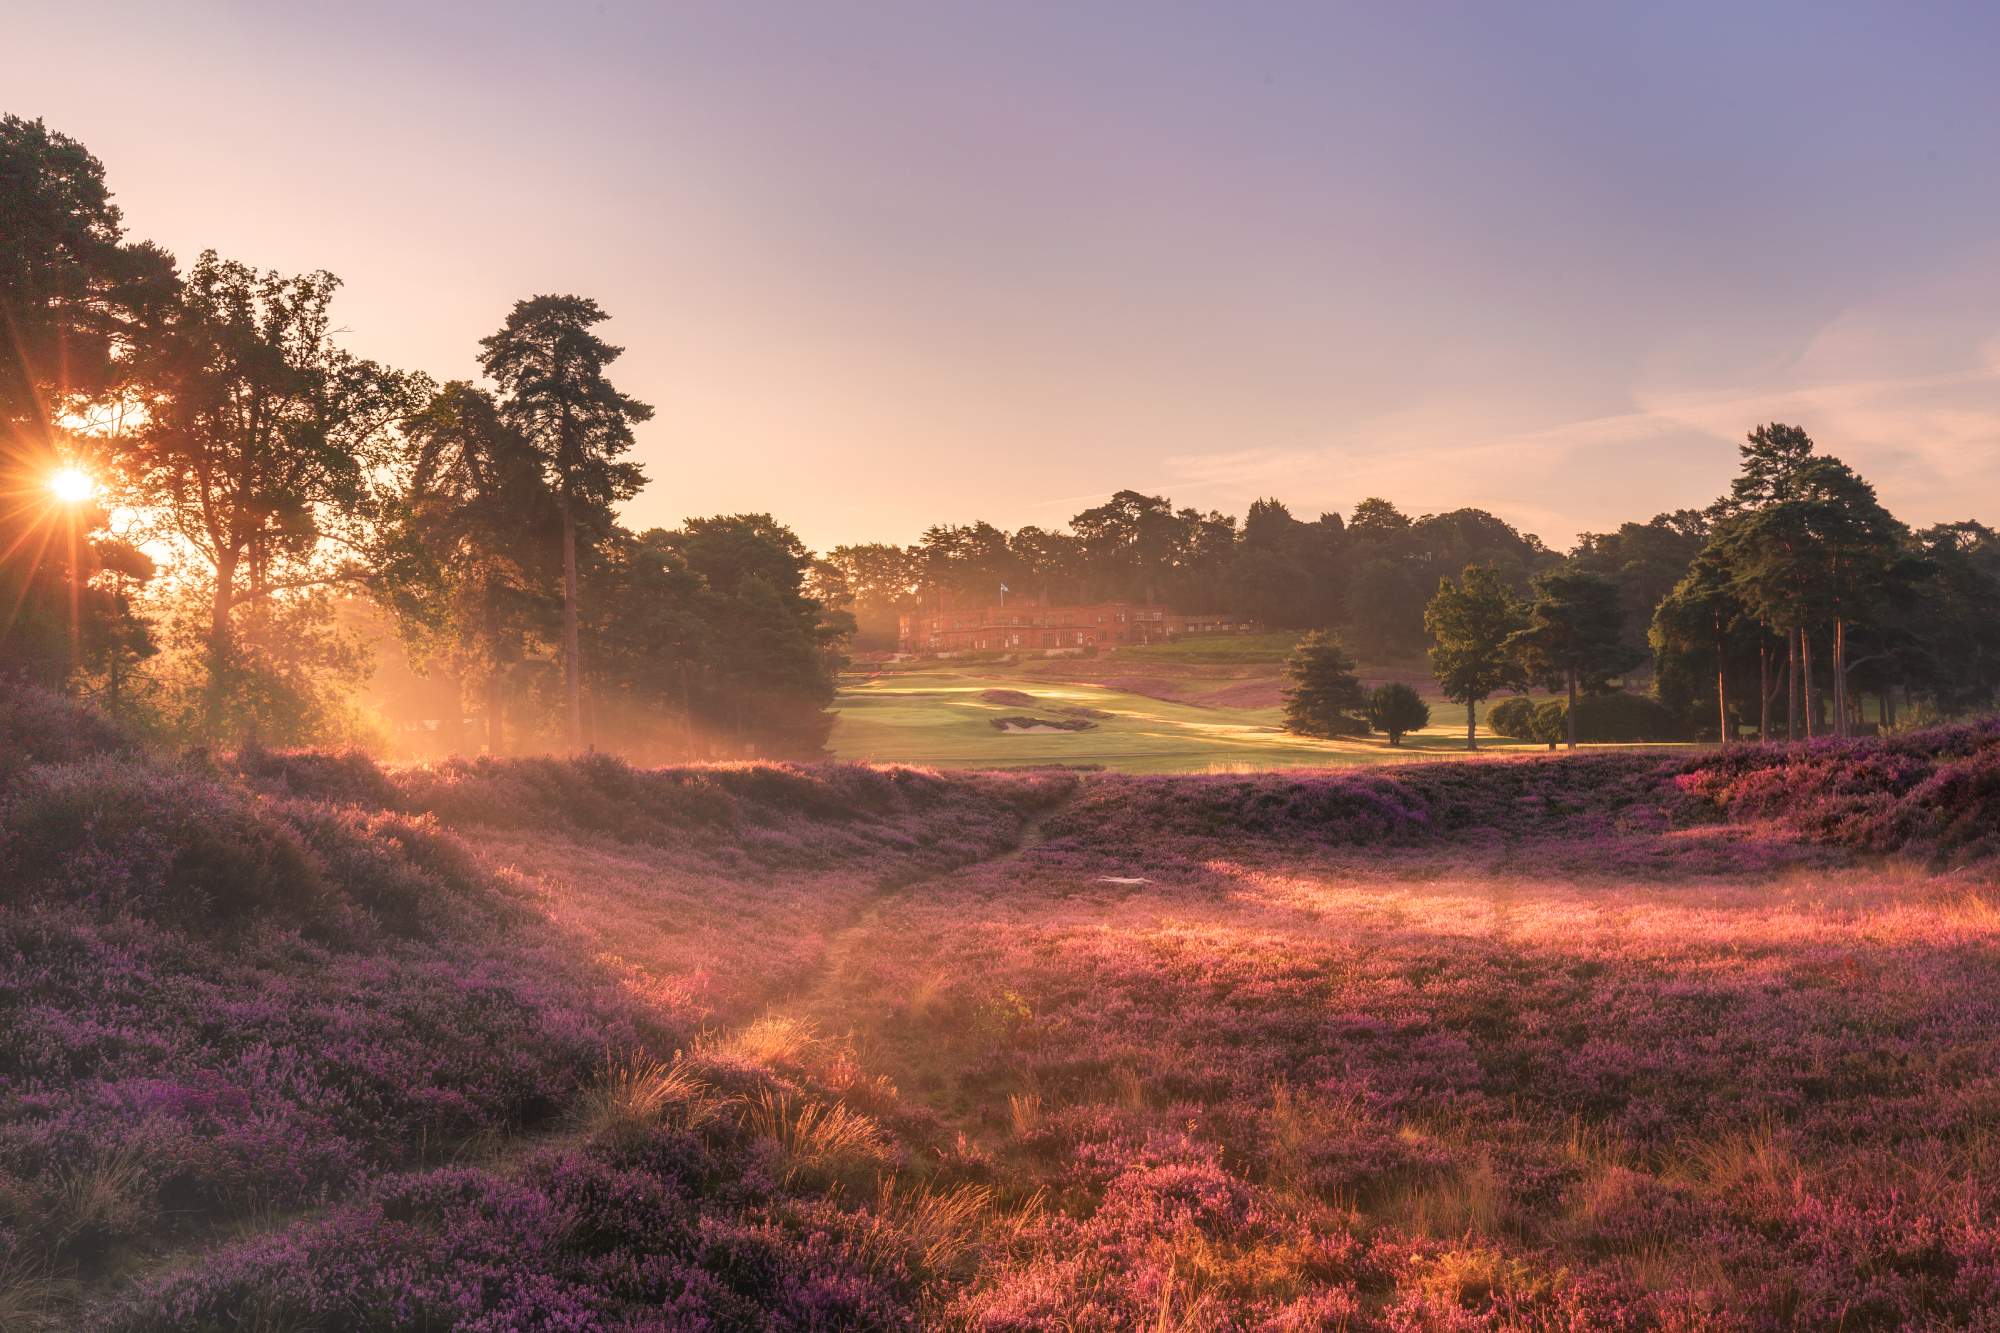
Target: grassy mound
[[293, 1041], [1934, 795], [235, 991]]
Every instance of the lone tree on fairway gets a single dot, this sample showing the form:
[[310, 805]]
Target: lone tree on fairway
[[1574, 638], [1471, 622], [551, 366], [1324, 697], [1395, 708]]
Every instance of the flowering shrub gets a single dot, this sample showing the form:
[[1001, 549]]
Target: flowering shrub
[[1934, 792], [251, 987], [1613, 1040]]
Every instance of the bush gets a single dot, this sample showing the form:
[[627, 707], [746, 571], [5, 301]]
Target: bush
[[1627, 717], [121, 835], [1616, 717], [40, 727], [1549, 722], [1395, 708], [1513, 718]]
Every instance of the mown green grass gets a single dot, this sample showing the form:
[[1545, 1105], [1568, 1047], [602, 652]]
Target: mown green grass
[[937, 718], [1216, 649], [930, 712]]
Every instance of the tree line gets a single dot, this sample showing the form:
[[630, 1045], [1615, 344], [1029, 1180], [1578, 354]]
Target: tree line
[[1367, 574], [267, 504], [1780, 610], [261, 499]]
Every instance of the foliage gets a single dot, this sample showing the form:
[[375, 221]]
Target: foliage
[[1396, 710], [1512, 717], [1573, 637], [550, 367], [76, 299], [466, 546], [1324, 698], [261, 437], [1473, 622]]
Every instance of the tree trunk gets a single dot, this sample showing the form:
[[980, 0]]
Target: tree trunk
[[1806, 684], [687, 711], [496, 699], [1721, 687], [1569, 716], [218, 647], [114, 660], [1764, 691], [1471, 725], [572, 640], [496, 681], [1792, 684], [1888, 708], [1840, 724], [457, 713]]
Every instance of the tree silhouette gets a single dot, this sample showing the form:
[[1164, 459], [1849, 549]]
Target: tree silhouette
[[463, 545], [1471, 622], [1574, 638], [261, 439], [75, 300], [1397, 709], [1324, 697], [550, 367]]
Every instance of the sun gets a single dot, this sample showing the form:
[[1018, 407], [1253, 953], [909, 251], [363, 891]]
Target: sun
[[71, 485]]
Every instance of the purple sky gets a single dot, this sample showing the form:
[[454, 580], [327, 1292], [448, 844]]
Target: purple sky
[[887, 264]]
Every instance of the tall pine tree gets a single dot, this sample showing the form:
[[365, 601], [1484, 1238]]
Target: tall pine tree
[[550, 369]]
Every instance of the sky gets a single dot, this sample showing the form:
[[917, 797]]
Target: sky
[[888, 264]]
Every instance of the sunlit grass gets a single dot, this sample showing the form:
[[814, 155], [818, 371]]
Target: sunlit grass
[[936, 717]]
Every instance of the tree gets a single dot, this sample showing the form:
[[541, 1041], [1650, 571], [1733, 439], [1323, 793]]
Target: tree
[[75, 295], [1377, 520], [1324, 698], [1287, 573], [550, 367], [878, 582], [1645, 560], [1397, 709], [1810, 545], [1700, 630], [1761, 537], [465, 544], [76, 299], [1946, 642], [970, 561], [1472, 622], [262, 435], [772, 653], [1132, 543], [1385, 606], [1574, 636], [1048, 560]]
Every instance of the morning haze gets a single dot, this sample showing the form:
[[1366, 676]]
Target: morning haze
[[998, 667], [882, 266]]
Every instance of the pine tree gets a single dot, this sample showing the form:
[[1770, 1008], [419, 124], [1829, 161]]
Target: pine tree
[[1324, 698], [1574, 638], [550, 366], [1471, 622]]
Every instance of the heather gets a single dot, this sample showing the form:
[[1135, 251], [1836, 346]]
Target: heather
[[1293, 1091], [238, 990], [1629, 1039], [1933, 794]]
